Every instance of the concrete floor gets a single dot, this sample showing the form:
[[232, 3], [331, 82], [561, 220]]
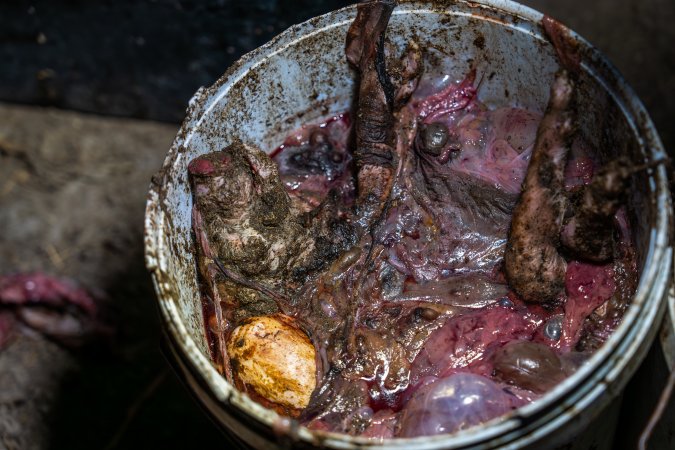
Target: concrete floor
[[72, 196]]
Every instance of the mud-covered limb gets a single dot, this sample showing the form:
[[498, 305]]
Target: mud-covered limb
[[589, 233], [534, 268], [332, 237], [208, 274], [374, 125]]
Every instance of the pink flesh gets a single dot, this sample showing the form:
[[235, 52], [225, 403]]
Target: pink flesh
[[38, 288], [53, 306], [464, 339], [308, 190], [446, 257]]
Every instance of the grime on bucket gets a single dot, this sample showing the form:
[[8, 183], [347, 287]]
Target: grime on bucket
[[420, 264]]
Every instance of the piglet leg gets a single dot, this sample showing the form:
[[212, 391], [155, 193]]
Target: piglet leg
[[375, 153], [589, 235], [534, 268], [208, 271]]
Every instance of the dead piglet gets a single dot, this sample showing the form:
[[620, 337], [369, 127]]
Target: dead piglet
[[252, 248], [244, 234], [534, 268], [246, 217], [248, 244]]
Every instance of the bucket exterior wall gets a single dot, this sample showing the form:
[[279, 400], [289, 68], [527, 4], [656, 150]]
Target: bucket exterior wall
[[301, 77]]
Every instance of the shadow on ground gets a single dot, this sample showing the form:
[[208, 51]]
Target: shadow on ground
[[127, 396]]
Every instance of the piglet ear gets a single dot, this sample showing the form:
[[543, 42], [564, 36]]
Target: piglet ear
[[371, 20]]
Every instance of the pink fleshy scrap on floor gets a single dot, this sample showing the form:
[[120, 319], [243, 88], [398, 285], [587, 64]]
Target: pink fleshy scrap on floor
[[56, 307]]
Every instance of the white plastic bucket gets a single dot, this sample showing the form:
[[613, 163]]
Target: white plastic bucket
[[302, 76]]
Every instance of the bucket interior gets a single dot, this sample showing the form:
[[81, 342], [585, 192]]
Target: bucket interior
[[302, 77]]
